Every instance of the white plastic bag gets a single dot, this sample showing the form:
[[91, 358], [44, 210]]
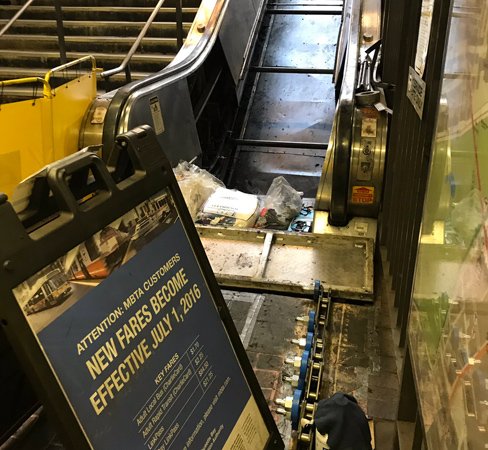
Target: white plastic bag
[[196, 185]]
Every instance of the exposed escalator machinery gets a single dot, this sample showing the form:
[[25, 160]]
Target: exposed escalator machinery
[[352, 176]]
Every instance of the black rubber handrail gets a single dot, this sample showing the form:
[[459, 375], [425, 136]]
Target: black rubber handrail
[[177, 69]]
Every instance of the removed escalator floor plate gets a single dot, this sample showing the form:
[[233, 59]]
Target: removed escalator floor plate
[[289, 263]]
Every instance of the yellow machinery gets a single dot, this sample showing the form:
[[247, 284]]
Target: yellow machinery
[[38, 131]]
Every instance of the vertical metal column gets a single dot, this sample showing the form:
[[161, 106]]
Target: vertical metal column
[[60, 30], [179, 23], [410, 153]]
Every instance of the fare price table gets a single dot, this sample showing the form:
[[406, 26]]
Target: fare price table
[[181, 385], [199, 361]]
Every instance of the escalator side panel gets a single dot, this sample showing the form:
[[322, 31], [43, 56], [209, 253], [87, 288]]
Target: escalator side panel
[[197, 46], [233, 23], [237, 32], [172, 120], [352, 176]]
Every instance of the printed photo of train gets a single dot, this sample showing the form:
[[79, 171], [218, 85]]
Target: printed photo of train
[[115, 244], [52, 292], [57, 287]]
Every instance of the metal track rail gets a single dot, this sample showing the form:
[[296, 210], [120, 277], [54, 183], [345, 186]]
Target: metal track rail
[[282, 69], [326, 11], [283, 144]]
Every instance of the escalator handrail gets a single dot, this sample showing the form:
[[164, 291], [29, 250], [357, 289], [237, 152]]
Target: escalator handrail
[[344, 116], [200, 40]]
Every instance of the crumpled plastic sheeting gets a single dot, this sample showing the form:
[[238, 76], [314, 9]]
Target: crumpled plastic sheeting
[[196, 185], [281, 205]]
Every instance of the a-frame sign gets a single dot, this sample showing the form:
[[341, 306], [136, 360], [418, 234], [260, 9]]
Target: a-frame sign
[[110, 303]]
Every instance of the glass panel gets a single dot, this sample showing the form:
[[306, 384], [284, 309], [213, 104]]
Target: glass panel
[[449, 317]]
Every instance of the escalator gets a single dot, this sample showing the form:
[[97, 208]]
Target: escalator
[[259, 90], [285, 125], [94, 48]]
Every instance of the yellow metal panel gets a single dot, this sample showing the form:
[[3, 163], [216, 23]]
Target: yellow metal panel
[[69, 103], [26, 140], [34, 133], [10, 172]]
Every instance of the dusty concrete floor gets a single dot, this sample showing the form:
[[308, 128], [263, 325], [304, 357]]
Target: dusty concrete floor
[[360, 353], [362, 358], [266, 324]]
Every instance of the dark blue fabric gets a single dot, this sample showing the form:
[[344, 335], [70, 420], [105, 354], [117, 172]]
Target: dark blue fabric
[[344, 421]]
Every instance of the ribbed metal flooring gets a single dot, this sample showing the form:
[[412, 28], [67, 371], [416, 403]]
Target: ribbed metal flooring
[[286, 126]]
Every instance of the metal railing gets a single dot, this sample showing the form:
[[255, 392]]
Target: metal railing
[[29, 80], [125, 65], [76, 62], [60, 30], [59, 26], [48, 90], [15, 17]]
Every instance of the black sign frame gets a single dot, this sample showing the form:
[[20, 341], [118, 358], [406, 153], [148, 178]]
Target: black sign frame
[[63, 210]]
